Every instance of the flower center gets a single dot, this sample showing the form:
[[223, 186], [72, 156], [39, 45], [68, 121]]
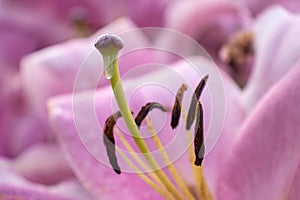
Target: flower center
[[173, 187], [237, 53]]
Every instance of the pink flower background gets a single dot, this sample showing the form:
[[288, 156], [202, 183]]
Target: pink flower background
[[44, 43]]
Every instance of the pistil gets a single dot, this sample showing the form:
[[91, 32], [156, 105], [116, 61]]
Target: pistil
[[109, 46]]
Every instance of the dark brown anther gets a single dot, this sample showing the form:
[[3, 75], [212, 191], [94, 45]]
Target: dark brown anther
[[145, 110], [176, 112], [195, 98], [109, 140], [199, 147]]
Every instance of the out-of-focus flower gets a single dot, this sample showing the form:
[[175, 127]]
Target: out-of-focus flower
[[28, 25], [211, 23], [214, 24]]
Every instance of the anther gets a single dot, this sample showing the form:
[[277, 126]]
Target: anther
[[145, 110], [199, 147], [195, 98], [176, 111], [109, 141], [109, 46]]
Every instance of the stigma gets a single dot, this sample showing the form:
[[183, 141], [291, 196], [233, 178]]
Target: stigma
[[109, 46]]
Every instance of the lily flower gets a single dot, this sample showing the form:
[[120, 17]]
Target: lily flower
[[234, 168]]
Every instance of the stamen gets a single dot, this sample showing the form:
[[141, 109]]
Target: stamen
[[201, 185], [145, 110], [161, 191], [139, 161], [176, 111], [160, 187], [195, 98], [109, 141], [199, 147], [178, 179]]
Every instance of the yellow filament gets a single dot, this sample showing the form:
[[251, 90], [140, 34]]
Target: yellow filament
[[137, 158], [167, 160], [200, 181], [163, 192]]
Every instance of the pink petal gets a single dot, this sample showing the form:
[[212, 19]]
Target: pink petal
[[11, 192], [147, 13], [12, 186], [294, 188], [19, 126], [263, 162], [276, 51], [257, 6], [14, 46], [235, 115], [72, 189], [42, 163]]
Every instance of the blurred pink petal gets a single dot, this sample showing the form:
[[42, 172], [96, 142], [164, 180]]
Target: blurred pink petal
[[148, 13], [42, 163], [13, 47], [294, 189], [12, 186], [263, 162], [29, 25], [276, 51], [72, 189], [26, 26], [257, 6], [19, 126]]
